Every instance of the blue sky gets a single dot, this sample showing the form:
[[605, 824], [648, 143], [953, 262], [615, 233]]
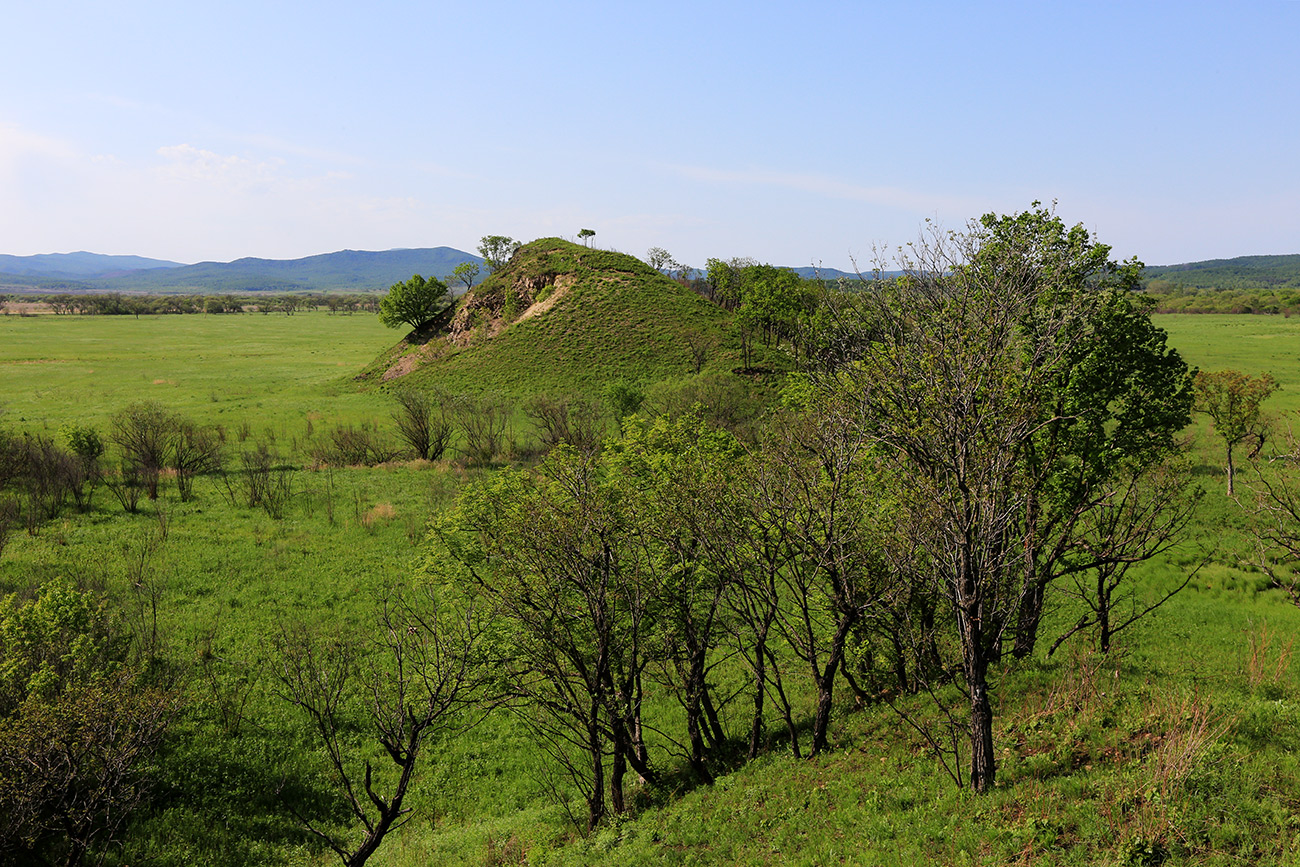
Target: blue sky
[[793, 133]]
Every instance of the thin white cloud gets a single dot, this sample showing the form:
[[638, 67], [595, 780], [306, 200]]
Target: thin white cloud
[[186, 162]]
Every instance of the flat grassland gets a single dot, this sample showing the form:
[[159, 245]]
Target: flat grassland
[[215, 369], [1181, 747]]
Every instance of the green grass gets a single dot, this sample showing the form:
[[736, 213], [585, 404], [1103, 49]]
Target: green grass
[[1099, 763], [266, 370], [1254, 344]]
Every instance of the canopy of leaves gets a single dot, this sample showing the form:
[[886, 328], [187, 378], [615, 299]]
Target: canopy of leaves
[[414, 302]]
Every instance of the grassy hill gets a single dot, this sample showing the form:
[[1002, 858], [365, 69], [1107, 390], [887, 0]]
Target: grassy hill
[[563, 317]]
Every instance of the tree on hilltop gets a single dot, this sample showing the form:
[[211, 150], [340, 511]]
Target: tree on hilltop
[[467, 273], [496, 251]]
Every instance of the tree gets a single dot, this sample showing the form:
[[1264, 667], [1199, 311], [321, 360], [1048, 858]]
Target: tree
[[585, 234], [658, 258], [467, 273], [415, 302], [195, 449], [496, 251], [144, 434], [554, 555], [1009, 377], [1233, 402], [422, 679]]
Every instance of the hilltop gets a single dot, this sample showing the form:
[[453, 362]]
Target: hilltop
[[561, 316]]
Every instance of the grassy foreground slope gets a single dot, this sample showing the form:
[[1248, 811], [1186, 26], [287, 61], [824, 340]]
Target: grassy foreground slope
[[563, 317]]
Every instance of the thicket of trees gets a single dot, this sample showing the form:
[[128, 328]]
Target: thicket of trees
[[1000, 419]]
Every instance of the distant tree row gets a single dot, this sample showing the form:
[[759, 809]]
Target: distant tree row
[[118, 304], [1175, 298]]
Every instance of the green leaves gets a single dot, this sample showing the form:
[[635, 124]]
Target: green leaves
[[415, 302]]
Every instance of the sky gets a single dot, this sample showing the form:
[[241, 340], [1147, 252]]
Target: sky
[[799, 134]]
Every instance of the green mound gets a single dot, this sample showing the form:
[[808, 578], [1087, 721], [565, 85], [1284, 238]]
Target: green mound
[[563, 317]]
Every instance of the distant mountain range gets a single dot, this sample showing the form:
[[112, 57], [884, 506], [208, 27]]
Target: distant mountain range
[[73, 266], [348, 270], [367, 271]]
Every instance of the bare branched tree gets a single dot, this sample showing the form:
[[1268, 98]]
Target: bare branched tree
[[423, 677]]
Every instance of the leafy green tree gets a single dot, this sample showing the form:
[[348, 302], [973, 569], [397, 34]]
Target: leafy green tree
[[467, 273], [1233, 401], [585, 235], [415, 302], [1008, 378], [496, 251]]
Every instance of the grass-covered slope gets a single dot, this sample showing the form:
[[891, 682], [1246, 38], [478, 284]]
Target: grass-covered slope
[[562, 317]]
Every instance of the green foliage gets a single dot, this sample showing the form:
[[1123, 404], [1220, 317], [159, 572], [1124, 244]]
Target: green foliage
[[77, 726], [414, 302], [467, 273], [497, 251], [84, 441]]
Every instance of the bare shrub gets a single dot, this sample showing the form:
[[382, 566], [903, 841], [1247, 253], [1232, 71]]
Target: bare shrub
[[9, 511], [127, 485], [195, 450], [484, 421], [262, 482], [143, 433], [573, 420], [423, 422], [351, 446]]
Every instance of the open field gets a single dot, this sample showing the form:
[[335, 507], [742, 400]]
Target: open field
[[1254, 344], [227, 369], [1182, 747]]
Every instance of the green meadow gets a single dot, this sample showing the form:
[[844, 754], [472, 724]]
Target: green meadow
[[1180, 747], [217, 369], [1254, 344]]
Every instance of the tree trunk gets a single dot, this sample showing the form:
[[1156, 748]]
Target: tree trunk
[[1103, 613], [596, 799], [1029, 618], [983, 767], [760, 691], [717, 737], [1231, 472]]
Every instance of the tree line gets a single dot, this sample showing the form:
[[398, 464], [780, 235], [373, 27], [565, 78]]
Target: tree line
[[118, 304]]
